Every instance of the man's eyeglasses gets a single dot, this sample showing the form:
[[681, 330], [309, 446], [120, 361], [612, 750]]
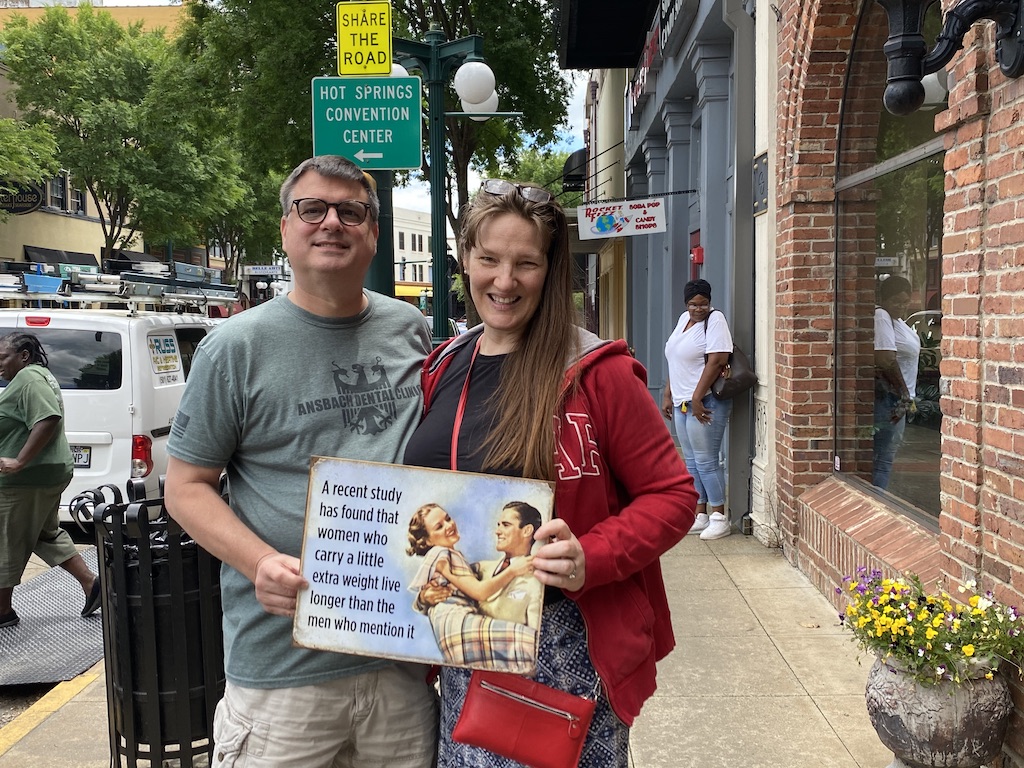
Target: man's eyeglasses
[[313, 210], [502, 187]]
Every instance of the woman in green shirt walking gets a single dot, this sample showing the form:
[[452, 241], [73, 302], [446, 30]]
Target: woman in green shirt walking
[[35, 468]]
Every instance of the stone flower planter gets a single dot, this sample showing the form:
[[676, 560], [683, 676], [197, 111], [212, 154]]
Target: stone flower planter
[[948, 725]]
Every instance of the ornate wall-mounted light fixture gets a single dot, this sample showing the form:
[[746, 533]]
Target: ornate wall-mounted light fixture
[[907, 52]]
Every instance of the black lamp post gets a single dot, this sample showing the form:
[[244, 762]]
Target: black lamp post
[[434, 58], [907, 52]]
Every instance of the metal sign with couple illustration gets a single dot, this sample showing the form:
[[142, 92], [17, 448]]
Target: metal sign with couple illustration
[[375, 121]]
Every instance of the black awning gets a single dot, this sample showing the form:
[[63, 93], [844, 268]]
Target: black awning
[[53, 256], [602, 34], [138, 257]]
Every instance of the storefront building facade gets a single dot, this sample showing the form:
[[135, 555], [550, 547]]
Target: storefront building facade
[[844, 197]]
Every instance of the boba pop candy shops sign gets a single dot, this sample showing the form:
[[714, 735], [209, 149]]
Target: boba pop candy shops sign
[[621, 219]]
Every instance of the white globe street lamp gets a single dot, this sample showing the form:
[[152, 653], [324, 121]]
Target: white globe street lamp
[[474, 82], [486, 107]]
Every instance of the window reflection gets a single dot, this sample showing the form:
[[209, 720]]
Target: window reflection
[[889, 233]]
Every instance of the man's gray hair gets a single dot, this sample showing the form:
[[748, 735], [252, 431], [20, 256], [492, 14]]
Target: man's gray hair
[[332, 167]]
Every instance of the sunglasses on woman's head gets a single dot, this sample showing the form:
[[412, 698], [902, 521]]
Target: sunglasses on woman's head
[[501, 187]]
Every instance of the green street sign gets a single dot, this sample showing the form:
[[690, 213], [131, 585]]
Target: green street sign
[[376, 122]]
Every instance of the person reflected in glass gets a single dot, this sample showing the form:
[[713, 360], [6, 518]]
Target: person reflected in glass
[[697, 352], [897, 350]]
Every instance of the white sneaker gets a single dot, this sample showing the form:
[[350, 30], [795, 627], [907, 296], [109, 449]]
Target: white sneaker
[[700, 523], [718, 527]]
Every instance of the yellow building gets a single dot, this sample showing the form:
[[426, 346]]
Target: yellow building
[[65, 228]]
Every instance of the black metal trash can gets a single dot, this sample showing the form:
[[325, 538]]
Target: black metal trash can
[[162, 634]]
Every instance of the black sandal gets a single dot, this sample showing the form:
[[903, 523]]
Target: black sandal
[[9, 619], [92, 602]]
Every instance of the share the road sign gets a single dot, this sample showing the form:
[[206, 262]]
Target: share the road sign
[[374, 121], [364, 38]]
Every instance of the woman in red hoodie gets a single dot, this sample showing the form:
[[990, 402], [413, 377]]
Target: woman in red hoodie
[[622, 494]]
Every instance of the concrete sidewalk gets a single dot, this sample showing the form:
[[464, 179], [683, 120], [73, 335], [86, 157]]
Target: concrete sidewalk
[[762, 675]]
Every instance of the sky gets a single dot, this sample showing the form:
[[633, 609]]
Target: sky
[[416, 196]]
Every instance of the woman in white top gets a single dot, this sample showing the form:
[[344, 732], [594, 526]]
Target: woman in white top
[[897, 349], [697, 351]]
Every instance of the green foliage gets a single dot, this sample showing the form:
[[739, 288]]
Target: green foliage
[[264, 58], [250, 227], [543, 168], [199, 163], [268, 54], [113, 101], [27, 152], [459, 288], [27, 155], [519, 46]]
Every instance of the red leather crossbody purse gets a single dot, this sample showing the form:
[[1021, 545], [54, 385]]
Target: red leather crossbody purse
[[524, 720]]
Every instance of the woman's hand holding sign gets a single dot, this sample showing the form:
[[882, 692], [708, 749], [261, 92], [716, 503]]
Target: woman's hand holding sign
[[561, 562]]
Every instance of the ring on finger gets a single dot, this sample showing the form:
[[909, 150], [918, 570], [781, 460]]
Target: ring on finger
[[572, 574]]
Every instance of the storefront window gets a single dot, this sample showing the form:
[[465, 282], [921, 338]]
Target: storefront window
[[889, 270]]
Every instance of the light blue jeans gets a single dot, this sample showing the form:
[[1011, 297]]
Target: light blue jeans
[[702, 448], [888, 437]]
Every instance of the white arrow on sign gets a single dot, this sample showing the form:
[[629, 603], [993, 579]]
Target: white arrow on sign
[[363, 155]]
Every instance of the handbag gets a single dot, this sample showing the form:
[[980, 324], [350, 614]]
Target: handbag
[[737, 377], [524, 720]]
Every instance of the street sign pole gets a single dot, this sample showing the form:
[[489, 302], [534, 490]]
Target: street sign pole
[[381, 275], [364, 48], [435, 58]]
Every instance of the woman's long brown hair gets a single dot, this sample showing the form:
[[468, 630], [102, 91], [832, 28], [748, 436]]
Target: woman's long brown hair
[[531, 384]]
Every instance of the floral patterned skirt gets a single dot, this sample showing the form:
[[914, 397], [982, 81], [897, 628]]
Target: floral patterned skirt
[[564, 663]]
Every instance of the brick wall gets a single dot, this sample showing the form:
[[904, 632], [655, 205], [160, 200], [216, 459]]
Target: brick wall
[[828, 526], [982, 525], [814, 44]]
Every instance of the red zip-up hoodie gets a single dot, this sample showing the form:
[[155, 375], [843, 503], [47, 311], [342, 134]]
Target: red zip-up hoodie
[[625, 493]]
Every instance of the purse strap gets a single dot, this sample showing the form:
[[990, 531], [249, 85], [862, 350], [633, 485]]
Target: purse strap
[[460, 410], [706, 336]]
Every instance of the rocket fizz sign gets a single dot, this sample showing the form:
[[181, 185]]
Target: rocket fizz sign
[[621, 219]]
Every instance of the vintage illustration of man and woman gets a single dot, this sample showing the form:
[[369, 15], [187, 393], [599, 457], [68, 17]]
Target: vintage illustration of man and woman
[[485, 613]]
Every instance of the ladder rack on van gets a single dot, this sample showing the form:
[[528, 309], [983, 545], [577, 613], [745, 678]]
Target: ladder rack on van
[[174, 287]]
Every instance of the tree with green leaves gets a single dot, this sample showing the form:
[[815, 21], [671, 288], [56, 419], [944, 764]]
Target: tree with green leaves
[[102, 89], [543, 167], [271, 52], [249, 230], [520, 47], [27, 155]]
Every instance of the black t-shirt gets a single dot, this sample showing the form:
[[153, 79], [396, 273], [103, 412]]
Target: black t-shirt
[[430, 444]]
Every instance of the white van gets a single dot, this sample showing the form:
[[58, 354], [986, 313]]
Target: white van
[[121, 376]]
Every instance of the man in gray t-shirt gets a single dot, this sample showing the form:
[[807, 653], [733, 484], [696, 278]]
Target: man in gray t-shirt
[[332, 370]]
